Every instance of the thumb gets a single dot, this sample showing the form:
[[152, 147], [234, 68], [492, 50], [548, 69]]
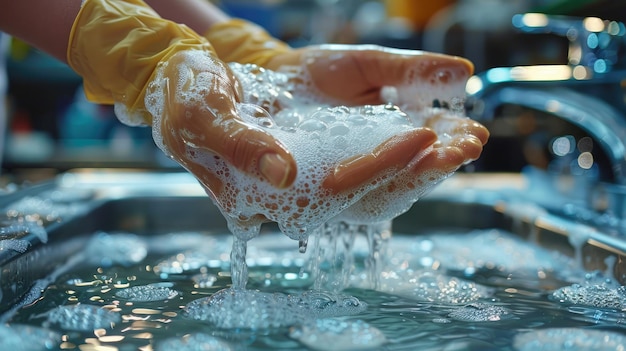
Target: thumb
[[252, 150]]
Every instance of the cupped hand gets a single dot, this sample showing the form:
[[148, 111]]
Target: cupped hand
[[460, 141], [413, 80], [193, 102]]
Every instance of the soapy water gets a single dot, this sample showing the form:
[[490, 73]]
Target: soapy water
[[157, 302]]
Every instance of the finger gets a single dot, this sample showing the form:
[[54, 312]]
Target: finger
[[203, 116], [400, 65], [253, 150], [439, 161], [445, 123], [422, 76], [479, 131], [394, 154], [470, 146]]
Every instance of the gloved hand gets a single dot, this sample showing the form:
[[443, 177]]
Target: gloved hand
[[124, 50], [162, 74]]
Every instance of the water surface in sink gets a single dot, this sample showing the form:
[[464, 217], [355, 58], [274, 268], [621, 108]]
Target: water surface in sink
[[124, 275], [458, 289]]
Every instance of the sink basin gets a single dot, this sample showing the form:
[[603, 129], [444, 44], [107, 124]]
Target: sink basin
[[77, 204]]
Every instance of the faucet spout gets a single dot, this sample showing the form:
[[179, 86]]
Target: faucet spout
[[603, 123]]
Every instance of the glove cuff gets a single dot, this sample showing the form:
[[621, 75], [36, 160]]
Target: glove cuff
[[240, 41], [116, 46]]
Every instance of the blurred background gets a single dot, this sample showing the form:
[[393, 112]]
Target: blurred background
[[51, 128]]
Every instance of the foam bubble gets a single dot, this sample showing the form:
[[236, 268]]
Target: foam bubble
[[82, 317], [18, 229], [14, 244], [194, 342], [118, 248], [338, 335], [481, 312], [556, 339], [251, 309], [483, 249], [433, 286], [600, 295], [17, 337], [146, 293]]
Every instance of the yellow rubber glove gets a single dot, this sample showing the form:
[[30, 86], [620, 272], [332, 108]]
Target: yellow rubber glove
[[118, 47], [241, 41]]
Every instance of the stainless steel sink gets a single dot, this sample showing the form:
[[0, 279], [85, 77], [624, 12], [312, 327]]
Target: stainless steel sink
[[154, 203]]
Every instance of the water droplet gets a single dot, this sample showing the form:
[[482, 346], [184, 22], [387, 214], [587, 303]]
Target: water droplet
[[302, 244]]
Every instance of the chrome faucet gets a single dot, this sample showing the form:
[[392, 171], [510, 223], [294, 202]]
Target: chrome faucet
[[588, 91]]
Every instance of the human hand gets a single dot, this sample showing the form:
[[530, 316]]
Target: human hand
[[412, 80], [347, 157], [351, 75], [459, 141], [123, 48]]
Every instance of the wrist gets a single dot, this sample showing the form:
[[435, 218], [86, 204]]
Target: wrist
[[116, 46], [237, 40]]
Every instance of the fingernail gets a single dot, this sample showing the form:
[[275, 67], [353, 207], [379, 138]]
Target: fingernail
[[275, 169]]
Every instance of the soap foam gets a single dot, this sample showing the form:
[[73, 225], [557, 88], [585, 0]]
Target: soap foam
[[481, 312], [600, 295], [18, 337], [107, 249], [320, 136], [338, 335], [147, 293], [82, 317], [433, 286], [251, 309], [553, 339], [194, 342]]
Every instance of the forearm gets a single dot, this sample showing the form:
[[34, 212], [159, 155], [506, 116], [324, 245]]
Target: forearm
[[199, 15], [45, 24]]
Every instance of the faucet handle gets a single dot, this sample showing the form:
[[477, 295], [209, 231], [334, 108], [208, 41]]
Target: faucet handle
[[593, 42]]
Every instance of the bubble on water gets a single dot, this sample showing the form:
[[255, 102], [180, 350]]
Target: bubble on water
[[146, 293], [483, 249], [20, 228], [602, 296], [432, 286], [251, 309], [82, 317], [194, 342], [204, 280], [338, 335], [14, 244], [119, 248], [47, 207], [557, 339], [17, 337], [481, 312]]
